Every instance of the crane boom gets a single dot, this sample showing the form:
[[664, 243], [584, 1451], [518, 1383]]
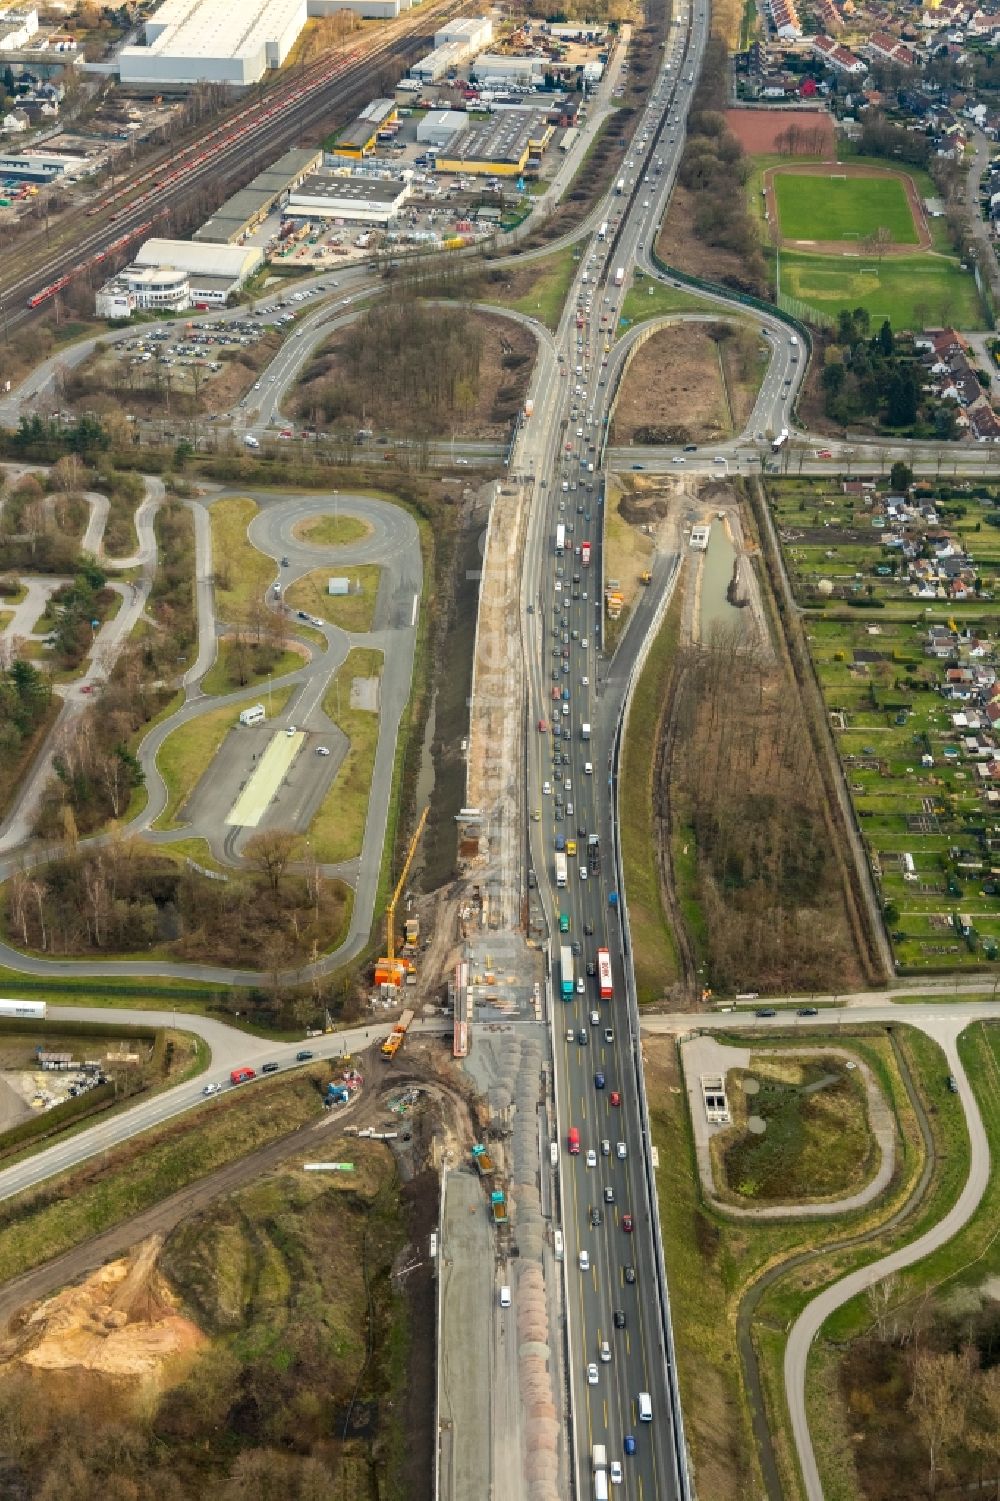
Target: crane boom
[[390, 911]]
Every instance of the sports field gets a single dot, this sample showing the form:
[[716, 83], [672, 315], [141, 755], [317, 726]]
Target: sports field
[[827, 206], [912, 291]]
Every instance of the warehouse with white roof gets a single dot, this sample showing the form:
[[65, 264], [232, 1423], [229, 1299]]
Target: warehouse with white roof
[[172, 275], [213, 41]]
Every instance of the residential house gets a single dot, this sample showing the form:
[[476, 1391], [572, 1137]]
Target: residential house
[[839, 58]]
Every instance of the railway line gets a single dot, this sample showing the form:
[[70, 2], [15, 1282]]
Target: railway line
[[229, 149]]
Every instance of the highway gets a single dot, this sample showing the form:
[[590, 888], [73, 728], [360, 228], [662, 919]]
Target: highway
[[612, 1295]]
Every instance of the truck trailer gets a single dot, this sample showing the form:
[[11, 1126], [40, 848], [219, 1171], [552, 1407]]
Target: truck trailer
[[30, 1010], [620, 277], [566, 972], [560, 859]]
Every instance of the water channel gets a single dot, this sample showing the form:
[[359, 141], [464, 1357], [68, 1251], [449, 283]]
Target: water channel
[[716, 572]]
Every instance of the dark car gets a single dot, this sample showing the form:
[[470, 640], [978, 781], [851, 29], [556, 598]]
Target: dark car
[[270, 1068], [690, 448], [582, 1037], [765, 1011], [619, 1318], [284, 562], [596, 1218], [576, 947], [808, 1011], [598, 1080], [303, 1057], [588, 928], [629, 1273], [591, 968], [953, 1084]]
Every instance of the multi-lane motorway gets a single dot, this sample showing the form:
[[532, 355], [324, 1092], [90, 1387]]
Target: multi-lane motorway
[[610, 1252]]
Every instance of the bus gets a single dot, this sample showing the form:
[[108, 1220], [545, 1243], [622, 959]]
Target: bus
[[780, 440], [566, 972], [573, 1141], [604, 975]]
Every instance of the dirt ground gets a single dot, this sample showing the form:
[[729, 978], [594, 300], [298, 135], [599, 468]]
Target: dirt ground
[[679, 247], [758, 130], [501, 338], [674, 387]]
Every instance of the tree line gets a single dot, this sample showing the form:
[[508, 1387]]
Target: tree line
[[875, 377]]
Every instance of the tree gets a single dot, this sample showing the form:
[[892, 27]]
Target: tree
[[902, 403], [939, 1398], [900, 477], [833, 378], [882, 1293], [270, 851], [885, 339]]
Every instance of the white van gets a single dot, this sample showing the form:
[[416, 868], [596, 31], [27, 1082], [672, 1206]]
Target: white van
[[505, 1297], [600, 1485], [253, 715], [645, 1407]]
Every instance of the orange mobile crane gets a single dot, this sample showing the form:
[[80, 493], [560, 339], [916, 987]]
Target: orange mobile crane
[[389, 970]]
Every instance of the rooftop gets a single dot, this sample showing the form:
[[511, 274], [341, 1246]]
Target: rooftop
[[351, 189]]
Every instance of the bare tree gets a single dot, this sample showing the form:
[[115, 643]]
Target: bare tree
[[939, 1400], [881, 1295], [270, 851]]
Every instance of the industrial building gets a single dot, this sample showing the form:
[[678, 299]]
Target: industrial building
[[492, 67], [365, 10], [439, 125], [17, 27], [499, 147], [360, 200], [39, 166], [360, 138], [177, 274], [213, 41], [241, 213], [453, 45]]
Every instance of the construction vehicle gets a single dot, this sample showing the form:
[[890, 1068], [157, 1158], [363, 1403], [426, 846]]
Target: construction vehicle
[[646, 577], [498, 1204], [483, 1161], [411, 929], [394, 1041], [391, 970], [337, 1094]]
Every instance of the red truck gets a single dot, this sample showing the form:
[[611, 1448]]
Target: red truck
[[585, 554], [573, 1141], [242, 1075]]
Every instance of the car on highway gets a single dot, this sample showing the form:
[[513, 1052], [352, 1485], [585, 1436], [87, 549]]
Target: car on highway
[[609, 1035], [614, 1098], [765, 1011], [621, 1151], [270, 1068], [628, 1444], [291, 730], [212, 1089], [592, 1376], [807, 1011], [627, 1224], [582, 1037], [609, 1194], [583, 872], [619, 1318], [605, 1352], [564, 922], [584, 1261], [628, 1272], [580, 985], [570, 1034], [304, 1055], [591, 1157], [677, 459], [596, 1218], [598, 1080], [616, 1472]]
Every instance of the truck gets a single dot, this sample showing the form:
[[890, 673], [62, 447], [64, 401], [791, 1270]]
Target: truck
[[604, 985], [394, 1041], [602, 233], [585, 730], [780, 440], [30, 1010], [483, 1160], [599, 1457], [566, 972], [620, 277], [242, 1075], [620, 185], [529, 407], [498, 1204], [594, 853], [585, 554], [560, 539], [560, 868]]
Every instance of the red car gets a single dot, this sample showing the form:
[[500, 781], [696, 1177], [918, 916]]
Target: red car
[[627, 1223], [824, 453], [614, 1097], [543, 725]]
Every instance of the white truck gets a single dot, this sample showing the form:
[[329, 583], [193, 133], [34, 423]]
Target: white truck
[[599, 1456], [585, 730], [620, 277], [560, 868]]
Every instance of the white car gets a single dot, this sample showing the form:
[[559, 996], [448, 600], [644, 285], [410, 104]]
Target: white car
[[291, 730], [570, 1035], [580, 986], [605, 1352], [584, 643], [583, 872], [547, 788], [322, 750], [212, 1089], [616, 1472], [591, 1158], [595, 1018], [592, 1376], [621, 1151], [677, 459], [568, 783], [585, 1261]]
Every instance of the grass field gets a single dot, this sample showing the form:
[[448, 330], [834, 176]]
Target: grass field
[[551, 277], [828, 207], [221, 676], [352, 612], [910, 290], [649, 299], [331, 531], [338, 830], [242, 574], [186, 753]]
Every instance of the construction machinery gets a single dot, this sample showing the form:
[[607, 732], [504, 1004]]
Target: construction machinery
[[646, 577], [391, 970], [394, 1041], [483, 1161], [498, 1203]]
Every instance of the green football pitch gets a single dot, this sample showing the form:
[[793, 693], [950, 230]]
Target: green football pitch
[[831, 207]]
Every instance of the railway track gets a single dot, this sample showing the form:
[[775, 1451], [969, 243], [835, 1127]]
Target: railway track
[[227, 155]]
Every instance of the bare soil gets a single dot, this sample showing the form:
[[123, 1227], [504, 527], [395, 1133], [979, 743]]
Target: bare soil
[[679, 246], [674, 388], [759, 130]]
